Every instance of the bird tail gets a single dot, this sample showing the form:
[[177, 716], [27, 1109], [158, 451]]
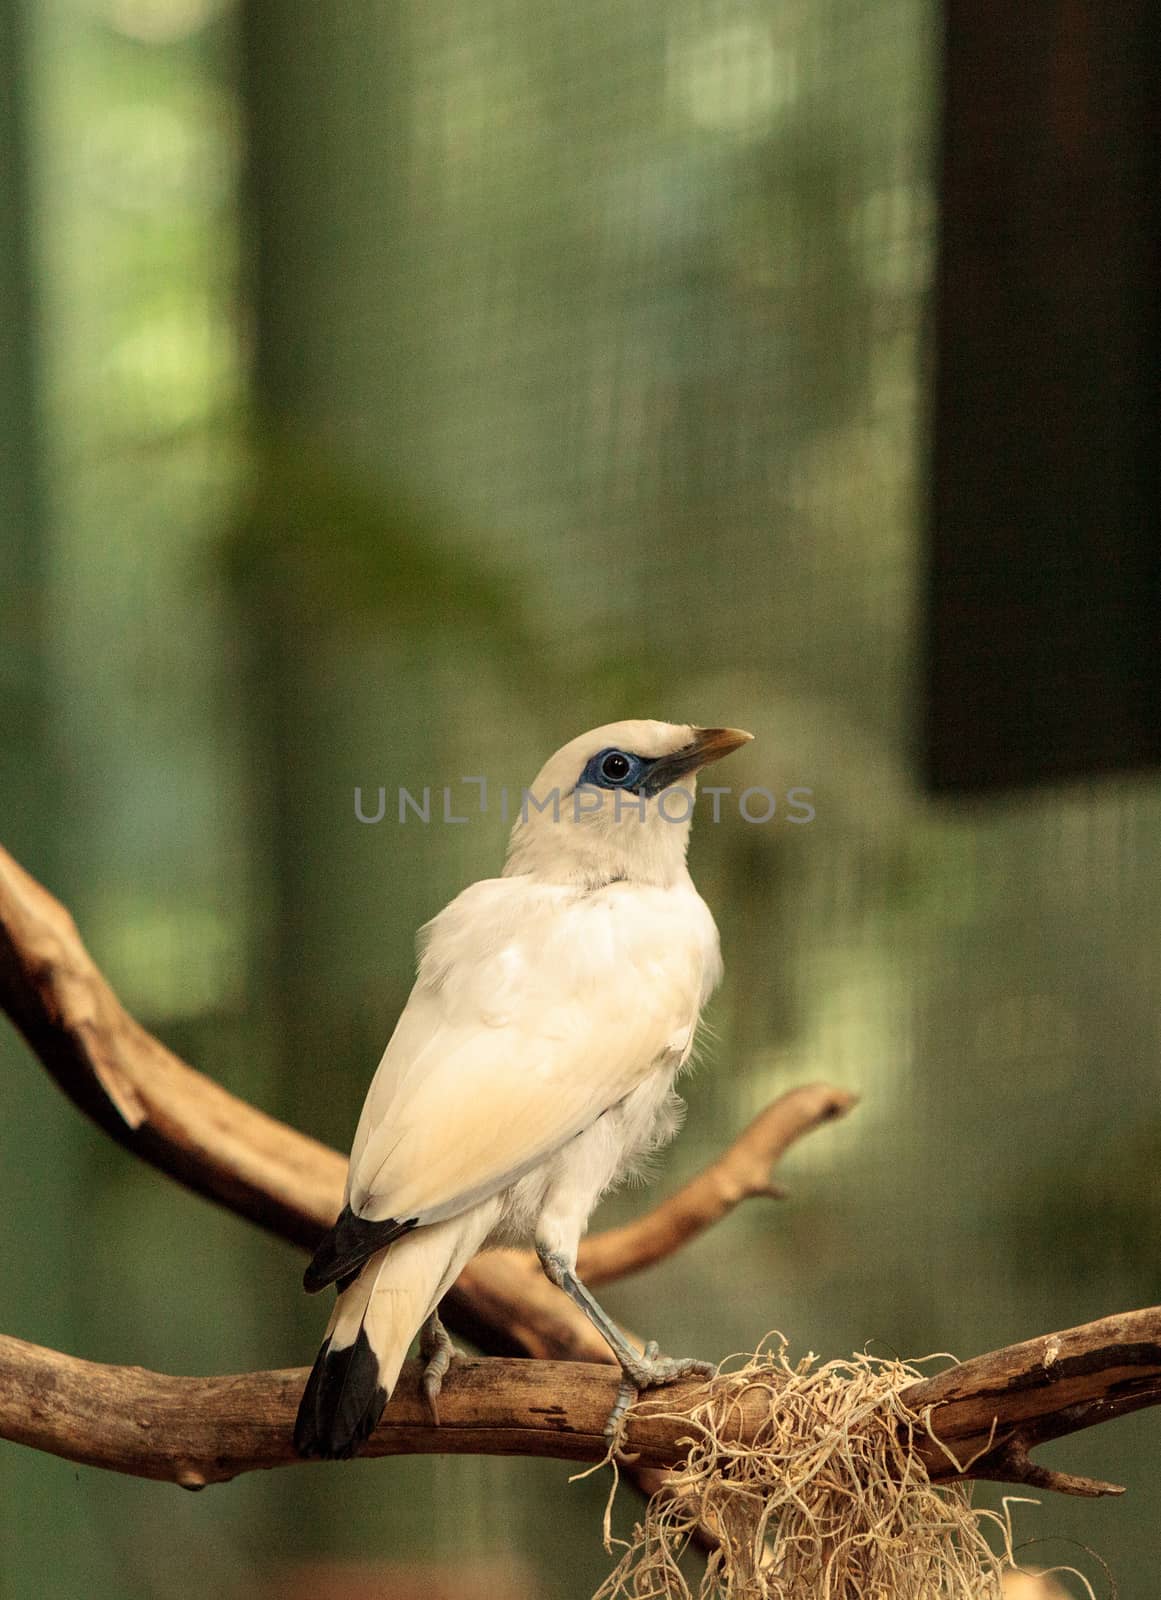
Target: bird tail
[[370, 1332]]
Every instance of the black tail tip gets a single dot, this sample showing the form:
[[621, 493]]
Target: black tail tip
[[342, 1402]]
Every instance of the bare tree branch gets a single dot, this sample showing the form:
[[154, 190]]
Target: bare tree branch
[[988, 1414], [985, 1414], [193, 1130], [999, 1407], [739, 1173], [138, 1091]]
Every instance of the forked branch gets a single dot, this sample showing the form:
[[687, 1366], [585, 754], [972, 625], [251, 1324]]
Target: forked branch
[[193, 1130], [984, 1417]]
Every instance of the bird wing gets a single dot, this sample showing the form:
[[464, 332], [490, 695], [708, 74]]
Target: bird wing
[[536, 1009]]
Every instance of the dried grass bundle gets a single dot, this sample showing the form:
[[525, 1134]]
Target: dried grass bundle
[[827, 1502]]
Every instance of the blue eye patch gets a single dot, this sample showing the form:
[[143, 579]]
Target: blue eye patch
[[614, 769]]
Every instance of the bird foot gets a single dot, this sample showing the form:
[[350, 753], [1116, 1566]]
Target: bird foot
[[437, 1350], [650, 1371]]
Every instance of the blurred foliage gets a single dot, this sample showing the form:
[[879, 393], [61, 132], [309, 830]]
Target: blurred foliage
[[347, 555], [1094, 1211]]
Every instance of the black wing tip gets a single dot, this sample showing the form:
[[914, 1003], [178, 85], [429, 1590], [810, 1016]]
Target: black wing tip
[[342, 1402], [313, 1279], [351, 1242]]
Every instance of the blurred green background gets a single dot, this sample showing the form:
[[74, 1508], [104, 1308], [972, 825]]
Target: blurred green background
[[389, 393]]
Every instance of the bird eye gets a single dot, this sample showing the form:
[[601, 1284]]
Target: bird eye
[[616, 767]]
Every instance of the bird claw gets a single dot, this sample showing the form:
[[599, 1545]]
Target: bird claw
[[650, 1370], [437, 1350]]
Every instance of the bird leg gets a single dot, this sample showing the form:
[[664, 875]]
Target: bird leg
[[641, 1369], [437, 1350]]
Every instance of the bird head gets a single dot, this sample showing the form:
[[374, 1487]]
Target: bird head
[[616, 803]]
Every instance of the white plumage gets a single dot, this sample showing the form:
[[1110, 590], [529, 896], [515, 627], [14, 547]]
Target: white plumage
[[532, 1066]]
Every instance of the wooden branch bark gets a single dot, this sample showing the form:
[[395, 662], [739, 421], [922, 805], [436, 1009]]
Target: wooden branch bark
[[193, 1130], [740, 1173], [986, 1414], [138, 1091]]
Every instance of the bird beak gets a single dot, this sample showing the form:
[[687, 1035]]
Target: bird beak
[[711, 744], [707, 744]]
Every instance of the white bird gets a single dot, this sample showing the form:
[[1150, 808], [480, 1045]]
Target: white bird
[[532, 1066]]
